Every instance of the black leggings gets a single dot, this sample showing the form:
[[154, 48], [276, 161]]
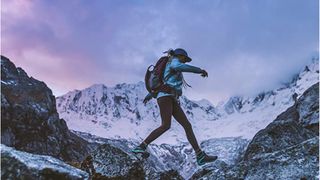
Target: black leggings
[[168, 107]]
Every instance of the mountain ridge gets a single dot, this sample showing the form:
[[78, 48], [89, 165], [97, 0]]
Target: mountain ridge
[[104, 110]]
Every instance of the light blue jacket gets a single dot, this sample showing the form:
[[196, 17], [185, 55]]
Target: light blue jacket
[[173, 75]]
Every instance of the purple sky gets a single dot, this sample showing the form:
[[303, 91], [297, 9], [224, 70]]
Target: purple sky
[[247, 46]]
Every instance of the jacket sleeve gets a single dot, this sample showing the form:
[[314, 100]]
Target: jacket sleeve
[[178, 66]]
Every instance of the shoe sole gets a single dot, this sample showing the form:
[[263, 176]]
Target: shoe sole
[[141, 154], [202, 163]]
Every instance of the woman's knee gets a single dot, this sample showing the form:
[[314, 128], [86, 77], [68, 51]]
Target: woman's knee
[[165, 127]]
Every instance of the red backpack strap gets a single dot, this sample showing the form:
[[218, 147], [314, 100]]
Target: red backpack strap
[[161, 65]]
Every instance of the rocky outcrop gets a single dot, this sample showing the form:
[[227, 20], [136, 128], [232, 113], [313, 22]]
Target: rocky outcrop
[[288, 148], [112, 162], [290, 127], [21, 165], [29, 119], [296, 162], [308, 109], [214, 170]]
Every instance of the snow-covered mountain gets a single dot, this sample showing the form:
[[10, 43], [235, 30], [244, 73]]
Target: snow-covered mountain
[[245, 116], [118, 112]]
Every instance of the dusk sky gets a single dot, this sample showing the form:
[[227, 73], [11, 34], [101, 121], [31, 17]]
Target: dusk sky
[[246, 46]]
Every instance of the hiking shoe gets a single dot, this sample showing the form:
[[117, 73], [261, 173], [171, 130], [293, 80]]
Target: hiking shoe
[[139, 150], [203, 158]]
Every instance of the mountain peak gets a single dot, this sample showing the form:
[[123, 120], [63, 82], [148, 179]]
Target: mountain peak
[[119, 112]]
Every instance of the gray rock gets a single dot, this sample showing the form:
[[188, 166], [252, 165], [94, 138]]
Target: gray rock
[[21, 165], [215, 170], [297, 162], [308, 108]]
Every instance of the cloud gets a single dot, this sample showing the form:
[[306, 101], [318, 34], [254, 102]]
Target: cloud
[[238, 42]]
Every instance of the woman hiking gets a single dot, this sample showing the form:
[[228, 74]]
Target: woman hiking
[[169, 104]]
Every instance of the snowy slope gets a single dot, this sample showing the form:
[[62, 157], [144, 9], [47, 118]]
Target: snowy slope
[[118, 112]]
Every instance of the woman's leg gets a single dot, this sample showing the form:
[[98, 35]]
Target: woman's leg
[[180, 116], [165, 105]]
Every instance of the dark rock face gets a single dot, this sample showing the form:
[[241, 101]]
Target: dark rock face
[[288, 148], [308, 108], [29, 119], [296, 162], [289, 128], [171, 174]]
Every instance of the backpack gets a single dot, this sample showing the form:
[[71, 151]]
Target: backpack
[[154, 81]]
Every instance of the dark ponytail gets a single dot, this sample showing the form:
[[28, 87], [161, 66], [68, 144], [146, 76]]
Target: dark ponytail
[[170, 52]]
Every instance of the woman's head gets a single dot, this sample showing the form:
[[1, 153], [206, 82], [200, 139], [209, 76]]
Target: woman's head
[[182, 55], [182, 58]]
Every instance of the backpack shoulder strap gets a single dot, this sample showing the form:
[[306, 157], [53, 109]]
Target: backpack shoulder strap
[[171, 72]]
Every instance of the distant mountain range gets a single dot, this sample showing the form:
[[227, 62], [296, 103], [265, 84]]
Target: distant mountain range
[[118, 112]]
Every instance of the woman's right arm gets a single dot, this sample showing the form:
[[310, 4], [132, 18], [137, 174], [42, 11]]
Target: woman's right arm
[[182, 67]]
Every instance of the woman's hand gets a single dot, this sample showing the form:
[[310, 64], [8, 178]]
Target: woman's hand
[[146, 99], [204, 73]]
